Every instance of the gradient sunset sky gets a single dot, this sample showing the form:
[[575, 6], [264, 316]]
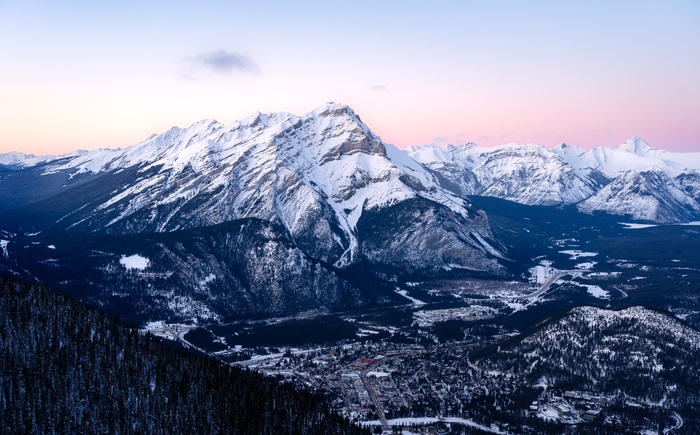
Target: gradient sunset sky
[[85, 75]]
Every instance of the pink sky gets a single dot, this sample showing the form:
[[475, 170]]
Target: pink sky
[[79, 76]]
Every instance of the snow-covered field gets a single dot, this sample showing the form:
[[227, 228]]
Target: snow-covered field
[[637, 226], [415, 301], [134, 262], [575, 254], [405, 421]]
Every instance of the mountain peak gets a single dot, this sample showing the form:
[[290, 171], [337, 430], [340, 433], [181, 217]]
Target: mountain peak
[[332, 109], [18, 160], [636, 145], [332, 106]]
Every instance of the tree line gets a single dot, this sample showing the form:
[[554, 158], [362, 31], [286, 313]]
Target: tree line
[[66, 367]]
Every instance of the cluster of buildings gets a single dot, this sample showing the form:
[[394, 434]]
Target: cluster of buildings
[[380, 381], [572, 407], [386, 382], [468, 313]]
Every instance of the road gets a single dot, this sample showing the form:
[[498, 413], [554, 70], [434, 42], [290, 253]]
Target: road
[[178, 335], [377, 403], [552, 279], [543, 289], [679, 423]]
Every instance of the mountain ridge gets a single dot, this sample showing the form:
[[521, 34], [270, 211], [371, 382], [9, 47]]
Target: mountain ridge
[[568, 175], [329, 192], [525, 173]]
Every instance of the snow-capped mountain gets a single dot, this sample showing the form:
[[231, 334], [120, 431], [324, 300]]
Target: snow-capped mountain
[[15, 160], [279, 213], [633, 179], [317, 175], [325, 192], [528, 174], [650, 196]]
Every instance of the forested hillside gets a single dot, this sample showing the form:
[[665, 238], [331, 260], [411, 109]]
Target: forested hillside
[[68, 368]]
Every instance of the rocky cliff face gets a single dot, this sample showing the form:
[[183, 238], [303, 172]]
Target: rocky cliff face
[[650, 196], [326, 192], [633, 180]]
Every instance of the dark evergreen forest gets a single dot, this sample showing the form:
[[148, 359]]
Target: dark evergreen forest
[[66, 367]]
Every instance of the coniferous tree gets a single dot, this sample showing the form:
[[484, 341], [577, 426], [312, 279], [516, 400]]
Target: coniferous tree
[[68, 368]]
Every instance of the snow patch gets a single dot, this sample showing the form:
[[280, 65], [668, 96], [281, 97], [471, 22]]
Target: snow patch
[[134, 262], [415, 301], [515, 306], [378, 374], [575, 254], [3, 245], [207, 279], [408, 421], [586, 266], [637, 226], [596, 291]]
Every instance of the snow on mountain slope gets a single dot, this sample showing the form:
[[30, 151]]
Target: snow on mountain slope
[[633, 179], [646, 196], [15, 160], [528, 174], [608, 351], [316, 175], [635, 154]]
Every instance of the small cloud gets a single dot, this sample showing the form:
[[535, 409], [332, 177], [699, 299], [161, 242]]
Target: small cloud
[[221, 61], [187, 76], [484, 138], [381, 88], [440, 139]]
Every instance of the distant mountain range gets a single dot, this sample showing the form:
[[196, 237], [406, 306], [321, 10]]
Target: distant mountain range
[[633, 180], [279, 213]]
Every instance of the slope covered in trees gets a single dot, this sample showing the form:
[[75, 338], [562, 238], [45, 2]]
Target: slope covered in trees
[[68, 368]]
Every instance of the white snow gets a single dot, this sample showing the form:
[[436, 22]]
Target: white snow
[[585, 266], [134, 262], [362, 332], [541, 273], [378, 374], [326, 159], [22, 160], [407, 421], [207, 279], [533, 174], [595, 291], [575, 254], [3, 245], [51, 247], [415, 301], [629, 226], [515, 306]]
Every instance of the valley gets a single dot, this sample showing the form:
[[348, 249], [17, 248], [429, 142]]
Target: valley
[[514, 289], [429, 360]]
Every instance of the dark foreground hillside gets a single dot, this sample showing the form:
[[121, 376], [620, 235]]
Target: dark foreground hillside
[[68, 368]]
